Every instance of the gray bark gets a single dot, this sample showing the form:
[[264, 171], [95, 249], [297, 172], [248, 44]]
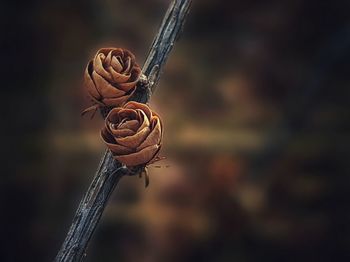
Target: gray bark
[[110, 171]]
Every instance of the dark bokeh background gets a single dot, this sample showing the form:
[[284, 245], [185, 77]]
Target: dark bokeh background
[[255, 100]]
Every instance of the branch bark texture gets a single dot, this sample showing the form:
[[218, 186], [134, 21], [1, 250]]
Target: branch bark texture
[[110, 171]]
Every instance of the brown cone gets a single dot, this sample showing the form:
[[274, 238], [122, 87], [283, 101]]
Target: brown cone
[[133, 133], [111, 77]]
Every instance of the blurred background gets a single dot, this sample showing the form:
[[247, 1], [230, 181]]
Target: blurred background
[[254, 99]]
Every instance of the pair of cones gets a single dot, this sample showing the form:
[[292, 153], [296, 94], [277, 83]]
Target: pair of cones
[[132, 131]]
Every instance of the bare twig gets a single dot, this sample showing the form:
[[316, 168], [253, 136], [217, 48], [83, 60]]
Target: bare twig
[[110, 171]]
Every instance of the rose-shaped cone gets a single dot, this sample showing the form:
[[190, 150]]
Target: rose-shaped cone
[[133, 133], [111, 77]]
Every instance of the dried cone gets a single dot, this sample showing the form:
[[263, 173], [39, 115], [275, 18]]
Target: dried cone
[[111, 77], [133, 133]]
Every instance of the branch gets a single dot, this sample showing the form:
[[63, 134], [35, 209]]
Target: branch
[[110, 171]]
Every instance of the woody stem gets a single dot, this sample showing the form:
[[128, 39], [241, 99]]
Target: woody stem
[[110, 171]]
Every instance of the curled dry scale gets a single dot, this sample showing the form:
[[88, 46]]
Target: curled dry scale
[[132, 131]]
